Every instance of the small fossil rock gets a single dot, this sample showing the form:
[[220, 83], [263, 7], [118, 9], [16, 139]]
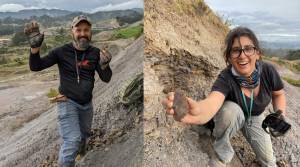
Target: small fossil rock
[[180, 105]]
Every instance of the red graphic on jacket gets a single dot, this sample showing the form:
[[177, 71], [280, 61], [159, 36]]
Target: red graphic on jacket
[[84, 63]]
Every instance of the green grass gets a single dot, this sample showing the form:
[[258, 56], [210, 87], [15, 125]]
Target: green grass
[[94, 32], [297, 67], [291, 65], [129, 32], [52, 93], [292, 81], [16, 62]]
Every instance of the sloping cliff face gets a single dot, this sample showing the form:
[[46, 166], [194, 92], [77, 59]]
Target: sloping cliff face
[[118, 133], [118, 128], [183, 49], [183, 43]]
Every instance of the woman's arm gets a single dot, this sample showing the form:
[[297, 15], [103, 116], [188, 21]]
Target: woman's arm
[[279, 101], [199, 112]]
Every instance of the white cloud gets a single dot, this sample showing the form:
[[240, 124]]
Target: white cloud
[[279, 8], [126, 5], [14, 7], [280, 35]]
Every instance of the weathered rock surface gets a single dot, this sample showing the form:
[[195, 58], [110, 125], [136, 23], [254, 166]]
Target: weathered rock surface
[[179, 53], [37, 142], [183, 49]]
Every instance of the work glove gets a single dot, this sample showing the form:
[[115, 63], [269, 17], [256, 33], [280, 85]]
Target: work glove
[[275, 124], [35, 38], [105, 58]]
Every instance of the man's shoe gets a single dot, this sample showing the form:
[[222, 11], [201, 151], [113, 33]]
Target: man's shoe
[[83, 147], [72, 164]]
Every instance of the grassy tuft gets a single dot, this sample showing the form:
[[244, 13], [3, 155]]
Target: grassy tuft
[[52, 93], [292, 81], [129, 32]]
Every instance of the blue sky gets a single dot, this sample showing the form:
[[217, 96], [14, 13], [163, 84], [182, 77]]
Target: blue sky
[[72, 5]]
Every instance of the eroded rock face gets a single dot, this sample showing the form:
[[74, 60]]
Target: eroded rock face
[[119, 137], [184, 42], [179, 53], [37, 143]]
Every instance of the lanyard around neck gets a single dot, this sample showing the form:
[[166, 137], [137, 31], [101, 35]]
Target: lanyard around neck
[[76, 64], [248, 110]]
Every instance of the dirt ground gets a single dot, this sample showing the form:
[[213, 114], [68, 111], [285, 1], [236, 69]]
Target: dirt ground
[[28, 124]]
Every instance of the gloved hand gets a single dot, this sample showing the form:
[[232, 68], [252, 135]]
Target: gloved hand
[[276, 124], [35, 38], [105, 58]]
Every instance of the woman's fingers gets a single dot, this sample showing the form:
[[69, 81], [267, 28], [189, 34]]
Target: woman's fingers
[[170, 111], [171, 96], [168, 106], [189, 118], [168, 103]]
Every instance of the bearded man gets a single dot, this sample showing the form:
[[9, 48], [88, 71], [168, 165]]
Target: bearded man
[[77, 62]]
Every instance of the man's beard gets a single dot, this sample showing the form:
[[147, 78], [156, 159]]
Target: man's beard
[[82, 43]]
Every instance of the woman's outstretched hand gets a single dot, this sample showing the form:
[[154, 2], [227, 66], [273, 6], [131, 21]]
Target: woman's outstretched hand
[[192, 115]]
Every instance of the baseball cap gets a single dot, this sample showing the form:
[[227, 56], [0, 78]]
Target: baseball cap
[[80, 18]]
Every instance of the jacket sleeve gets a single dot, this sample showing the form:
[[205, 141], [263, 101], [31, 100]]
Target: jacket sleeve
[[37, 63], [106, 74]]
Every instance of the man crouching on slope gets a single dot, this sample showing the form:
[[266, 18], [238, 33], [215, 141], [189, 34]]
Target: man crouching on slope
[[77, 62]]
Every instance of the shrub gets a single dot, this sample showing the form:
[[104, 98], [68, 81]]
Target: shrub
[[129, 32], [19, 61], [19, 38], [4, 60], [52, 93], [292, 81], [293, 55], [3, 50]]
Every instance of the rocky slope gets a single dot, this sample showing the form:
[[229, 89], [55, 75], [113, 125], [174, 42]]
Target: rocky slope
[[115, 125], [183, 49]]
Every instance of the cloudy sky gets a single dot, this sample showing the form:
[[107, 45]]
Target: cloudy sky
[[271, 20], [72, 5]]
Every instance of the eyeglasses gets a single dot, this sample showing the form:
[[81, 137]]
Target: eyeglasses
[[248, 51]]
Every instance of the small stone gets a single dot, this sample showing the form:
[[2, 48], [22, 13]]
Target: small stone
[[180, 105]]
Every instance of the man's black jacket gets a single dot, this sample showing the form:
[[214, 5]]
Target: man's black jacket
[[65, 58]]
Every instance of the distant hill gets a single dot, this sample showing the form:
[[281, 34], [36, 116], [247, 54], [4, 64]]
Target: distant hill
[[11, 22], [113, 14], [281, 45], [64, 14], [25, 14], [140, 10]]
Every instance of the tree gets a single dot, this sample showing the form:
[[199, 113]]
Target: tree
[[6, 30], [19, 38], [61, 31], [293, 55], [129, 19], [44, 47]]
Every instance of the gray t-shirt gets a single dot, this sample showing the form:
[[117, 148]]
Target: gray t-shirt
[[269, 81]]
